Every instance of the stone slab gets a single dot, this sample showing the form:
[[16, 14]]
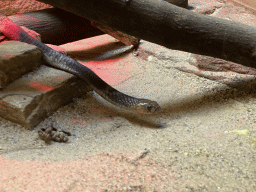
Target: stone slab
[[37, 95], [17, 59], [226, 72]]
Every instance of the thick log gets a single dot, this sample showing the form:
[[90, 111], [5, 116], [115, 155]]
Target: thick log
[[56, 26], [171, 26]]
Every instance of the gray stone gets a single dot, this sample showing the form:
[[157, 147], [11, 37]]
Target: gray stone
[[35, 96], [17, 59], [227, 11], [226, 72]]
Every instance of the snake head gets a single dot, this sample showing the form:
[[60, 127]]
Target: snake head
[[148, 107]]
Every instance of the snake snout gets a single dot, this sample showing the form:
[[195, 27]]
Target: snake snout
[[148, 107]]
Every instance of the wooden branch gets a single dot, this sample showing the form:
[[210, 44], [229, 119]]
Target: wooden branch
[[171, 26], [56, 26]]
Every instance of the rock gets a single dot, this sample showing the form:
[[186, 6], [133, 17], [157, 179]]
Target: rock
[[214, 64], [32, 98], [17, 59], [231, 12], [35, 96]]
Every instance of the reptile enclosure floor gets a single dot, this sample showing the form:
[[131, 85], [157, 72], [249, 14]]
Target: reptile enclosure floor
[[208, 143]]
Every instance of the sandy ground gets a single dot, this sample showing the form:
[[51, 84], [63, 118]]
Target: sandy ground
[[203, 140], [207, 143]]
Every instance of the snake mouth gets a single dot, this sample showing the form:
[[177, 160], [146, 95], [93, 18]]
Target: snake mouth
[[149, 107]]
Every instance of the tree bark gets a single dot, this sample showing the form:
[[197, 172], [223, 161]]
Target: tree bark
[[171, 26], [56, 26]]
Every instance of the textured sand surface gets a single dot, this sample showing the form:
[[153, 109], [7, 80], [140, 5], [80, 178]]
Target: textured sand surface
[[207, 141]]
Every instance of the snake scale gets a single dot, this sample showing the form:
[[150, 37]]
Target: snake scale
[[60, 61]]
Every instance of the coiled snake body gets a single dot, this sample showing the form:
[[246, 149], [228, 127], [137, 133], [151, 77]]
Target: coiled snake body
[[60, 61]]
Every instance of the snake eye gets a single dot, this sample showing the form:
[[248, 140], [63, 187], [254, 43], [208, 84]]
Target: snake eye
[[149, 108]]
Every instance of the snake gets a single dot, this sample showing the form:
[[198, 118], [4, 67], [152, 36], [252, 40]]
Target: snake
[[65, 63]]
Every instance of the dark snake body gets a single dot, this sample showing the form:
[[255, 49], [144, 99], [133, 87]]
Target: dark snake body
[[60, 61]]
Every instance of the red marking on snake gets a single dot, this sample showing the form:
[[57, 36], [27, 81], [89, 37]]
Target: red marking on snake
[[8, 27], [41, 87], [11, 30]]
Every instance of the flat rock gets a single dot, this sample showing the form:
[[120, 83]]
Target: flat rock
[[226, 72], [35, 96], [17, 59]]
